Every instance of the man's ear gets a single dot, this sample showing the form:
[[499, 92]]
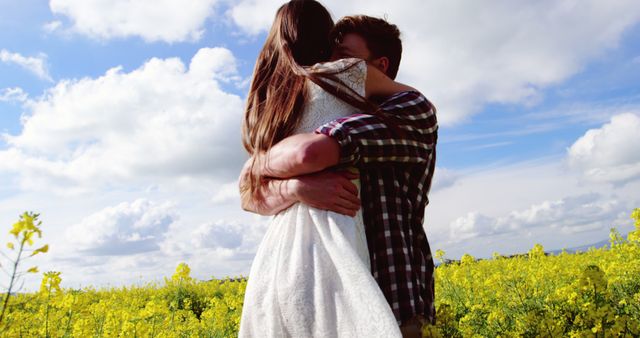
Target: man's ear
[[382, 63]]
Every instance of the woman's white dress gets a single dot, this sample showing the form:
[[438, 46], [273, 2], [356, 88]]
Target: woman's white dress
[[311, 274]]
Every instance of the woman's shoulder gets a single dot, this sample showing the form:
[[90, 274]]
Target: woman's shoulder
[[351, 71], [339, 65]]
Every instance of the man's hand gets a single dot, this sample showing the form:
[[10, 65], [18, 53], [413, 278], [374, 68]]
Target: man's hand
[[331, 191]]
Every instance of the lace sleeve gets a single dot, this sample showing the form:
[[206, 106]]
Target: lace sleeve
[[321, 107], [352, 71]]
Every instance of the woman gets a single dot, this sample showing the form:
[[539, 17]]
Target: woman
[[310, 276]]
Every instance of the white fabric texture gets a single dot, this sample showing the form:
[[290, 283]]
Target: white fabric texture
[[311, 275]]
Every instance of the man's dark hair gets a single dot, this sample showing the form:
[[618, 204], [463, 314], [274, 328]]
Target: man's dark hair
[[382, 38]]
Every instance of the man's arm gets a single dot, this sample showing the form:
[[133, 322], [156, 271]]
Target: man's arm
[[404, 131]]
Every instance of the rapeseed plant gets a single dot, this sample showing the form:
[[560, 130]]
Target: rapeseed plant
[[590, 294], [23, 232]]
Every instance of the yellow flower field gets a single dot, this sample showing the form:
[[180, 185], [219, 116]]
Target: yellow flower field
[[590, 294]]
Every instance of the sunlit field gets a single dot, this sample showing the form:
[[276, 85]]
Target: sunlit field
[[586, 294]]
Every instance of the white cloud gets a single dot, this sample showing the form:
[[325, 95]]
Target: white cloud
[[228, 192], [216, 63], [102, 248], [569, 215], [443, 178], [218, 235], [471, 225], [610, 153], [165, 20], [15, 94], [36, 65], [255, 16], [509, 208], [159, 122], [52, 26], [125, 229], [233, 239], [464, 55]]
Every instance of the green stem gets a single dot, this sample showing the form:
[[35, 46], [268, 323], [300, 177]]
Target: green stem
[[66, 329], [46, 316], [13, 277], [153, 325]]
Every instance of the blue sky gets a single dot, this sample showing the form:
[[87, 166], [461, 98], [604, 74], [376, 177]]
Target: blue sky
[[120, 124]]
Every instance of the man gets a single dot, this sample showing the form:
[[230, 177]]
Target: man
[[395, 154]]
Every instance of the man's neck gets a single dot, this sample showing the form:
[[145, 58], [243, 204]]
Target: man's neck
[[378, 99]]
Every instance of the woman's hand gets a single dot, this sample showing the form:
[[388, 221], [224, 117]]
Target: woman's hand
[[327, 190]]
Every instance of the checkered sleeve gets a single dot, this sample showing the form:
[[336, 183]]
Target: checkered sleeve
[[403, 130]]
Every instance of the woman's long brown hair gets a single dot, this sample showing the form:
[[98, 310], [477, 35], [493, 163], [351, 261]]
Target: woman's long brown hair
[[299, 38]]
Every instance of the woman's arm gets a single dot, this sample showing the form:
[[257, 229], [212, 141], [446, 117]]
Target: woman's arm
[[298, 155], [332, 191], [275, 195], [379, 84]]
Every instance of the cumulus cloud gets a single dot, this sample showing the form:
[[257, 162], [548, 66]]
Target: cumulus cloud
[[472, 225], [228, 192], [15, 94], [255, 16], [218, 235], [166, 20], [52, 26], [443, 178], [464, 55], [160, 121], [610, 153], [572, 214], [231, 239], [127, 228], [34, 64]]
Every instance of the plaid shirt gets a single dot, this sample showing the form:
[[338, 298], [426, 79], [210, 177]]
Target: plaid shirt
[[395, 153]]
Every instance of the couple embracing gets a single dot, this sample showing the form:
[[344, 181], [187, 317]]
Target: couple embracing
[[342, 156]]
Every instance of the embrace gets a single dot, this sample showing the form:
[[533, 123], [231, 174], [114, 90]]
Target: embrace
[[342, 156]]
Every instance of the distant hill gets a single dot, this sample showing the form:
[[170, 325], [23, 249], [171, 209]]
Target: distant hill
[[583, 248]]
